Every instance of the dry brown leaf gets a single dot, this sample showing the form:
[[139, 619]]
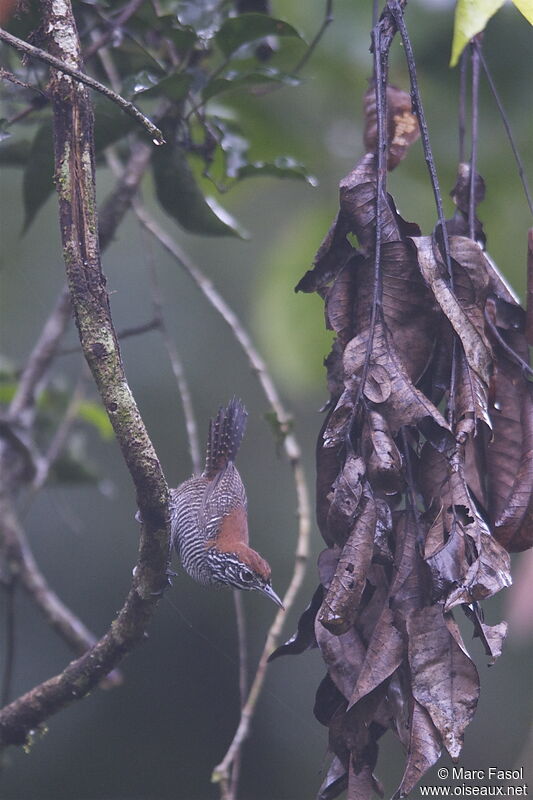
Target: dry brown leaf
[[445, 680]]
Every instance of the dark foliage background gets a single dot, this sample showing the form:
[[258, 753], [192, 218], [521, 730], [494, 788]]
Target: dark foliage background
[[160, 734]]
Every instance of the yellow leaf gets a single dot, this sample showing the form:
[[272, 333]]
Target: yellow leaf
[[526, 8], [471, 17]]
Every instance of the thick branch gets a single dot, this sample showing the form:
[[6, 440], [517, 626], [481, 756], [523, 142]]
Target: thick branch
[[73, 127], [41, 358]]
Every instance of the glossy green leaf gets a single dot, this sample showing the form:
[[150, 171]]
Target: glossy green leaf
[[37, 182], [95, 415], [142, 81], [471, 17], [14, 153], [233, 144], [281, 167], [174, 87], [182, 198], [249, 80], [202, 15], [248, 28]]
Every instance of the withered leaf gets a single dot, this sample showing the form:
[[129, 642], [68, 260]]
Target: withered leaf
[[473, 341], [406, 404], [358, 205], [347, 492], [332, 254], [471, 399], [339, 300], [327, 469], [383, 457], [327, 564], [343, 655], [329, 701], [488, 573], [492, 636], [444, 678], [409, 310], [335, 782], [384, 654], [341, 603], [460, 550], [423, 750], [514, 526], [304, 638], [402, 124], [362, 784]]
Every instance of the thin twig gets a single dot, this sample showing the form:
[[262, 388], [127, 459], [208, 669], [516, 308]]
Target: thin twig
[[463, 63], [292, 449], [176, 365], [328, 19], [124, 333], [242, 644], [128, 11], [396, 10], [8, 76], [380, 59], [473, 155], [41, 357], [22, 563], [60, 437], [507, 126], [57, 63]]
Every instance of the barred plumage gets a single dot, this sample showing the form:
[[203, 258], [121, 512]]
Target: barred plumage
[[209, 521]]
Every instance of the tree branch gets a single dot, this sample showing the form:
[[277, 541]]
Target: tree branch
[[74, 156], [22, 564], [75, 72]]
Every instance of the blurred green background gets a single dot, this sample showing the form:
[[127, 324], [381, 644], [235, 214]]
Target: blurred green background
[[159, 735]]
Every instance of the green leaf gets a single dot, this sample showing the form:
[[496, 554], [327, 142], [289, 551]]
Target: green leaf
[[95, 415], [233, 144], [281, 167], [182, 198], [7, 391], [37, 181], [142, 81], [471, 17], [265, 76], [248, 28], [201, 15], [174, 87], [526, 8], [15, 153]]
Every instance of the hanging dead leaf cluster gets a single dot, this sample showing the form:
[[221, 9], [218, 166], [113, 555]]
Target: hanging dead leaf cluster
[[424, 470]]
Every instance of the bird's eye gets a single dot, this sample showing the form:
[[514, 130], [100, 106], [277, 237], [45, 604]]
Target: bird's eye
[[246, 575]]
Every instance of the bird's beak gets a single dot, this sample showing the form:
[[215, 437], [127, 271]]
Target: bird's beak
[[269, 591]]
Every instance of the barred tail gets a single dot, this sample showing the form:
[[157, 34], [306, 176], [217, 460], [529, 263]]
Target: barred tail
[[225, 435]]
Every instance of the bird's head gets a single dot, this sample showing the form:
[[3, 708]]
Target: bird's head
[[242, 568]]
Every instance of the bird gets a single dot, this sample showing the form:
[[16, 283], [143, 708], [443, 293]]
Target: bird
[[209, 518]]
